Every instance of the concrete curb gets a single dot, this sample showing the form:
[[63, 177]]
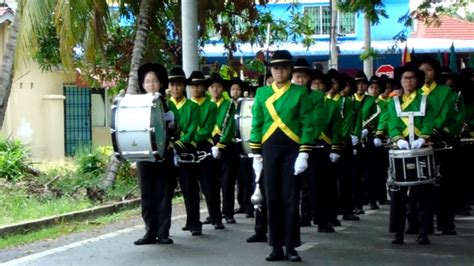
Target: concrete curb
[[71, 216]]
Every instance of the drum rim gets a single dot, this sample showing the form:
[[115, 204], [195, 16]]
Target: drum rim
[[238, 121], [411, 153]]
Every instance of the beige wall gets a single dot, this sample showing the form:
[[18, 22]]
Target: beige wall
[[35, 112], [101, 136]]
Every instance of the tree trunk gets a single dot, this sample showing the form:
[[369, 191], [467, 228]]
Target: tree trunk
[[143, 22], [333, 36], [6, 79], [368, 62]]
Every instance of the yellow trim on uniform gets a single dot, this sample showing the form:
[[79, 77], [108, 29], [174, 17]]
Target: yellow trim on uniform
[[180, 103], [216, 130], [220, 145], [198, 101], [359, 98], [427, 90], [218, 102], [335, 98], [277, 122], [325, 138], [383, 99], [407, 100]]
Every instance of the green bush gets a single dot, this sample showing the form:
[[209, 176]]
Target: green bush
[[14, 159]]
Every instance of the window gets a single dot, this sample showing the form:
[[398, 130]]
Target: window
[[321, 20]]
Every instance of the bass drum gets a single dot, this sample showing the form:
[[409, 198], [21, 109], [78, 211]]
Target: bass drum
[[243, 124], [412, 167], [138, 127]]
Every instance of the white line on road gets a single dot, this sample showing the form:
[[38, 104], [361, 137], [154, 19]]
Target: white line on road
[[306, 246], [45, 253]]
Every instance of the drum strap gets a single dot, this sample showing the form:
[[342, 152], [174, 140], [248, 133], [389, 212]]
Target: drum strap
[[408, 117], [372, 117]]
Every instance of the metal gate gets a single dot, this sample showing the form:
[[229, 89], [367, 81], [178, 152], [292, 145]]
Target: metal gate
[[77, 119]]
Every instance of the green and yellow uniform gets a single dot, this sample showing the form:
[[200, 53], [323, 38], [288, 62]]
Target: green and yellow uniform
[[287, 109], [207, 119], [332, 133], [364, 107], [225, 112], [398, 126], [382, 125], [186, 114], [442, 100]]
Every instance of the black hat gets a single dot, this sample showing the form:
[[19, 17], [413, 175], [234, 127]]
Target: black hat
[[196, 78], [281, 57], [420, 75], [177, 74], [159, 70], [340, 78], [318, 74], [301, 65], [374, 79], [446, 71], [237, 80], [215, 77], [360, 76]]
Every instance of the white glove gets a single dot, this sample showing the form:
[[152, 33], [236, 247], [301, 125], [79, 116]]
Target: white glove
[[169, 116], [301, 163], [257, 163], [377, 142], [418, 143], [354, 152], [403, 144], [334, 157], [355, 140], [364, 133], [215, 152], [176, 159]]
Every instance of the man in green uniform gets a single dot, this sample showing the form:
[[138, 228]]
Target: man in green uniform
[[282, 132]]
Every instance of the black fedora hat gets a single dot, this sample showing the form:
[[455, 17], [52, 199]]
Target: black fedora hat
[[281, 57], [158, 69], [215, 77], [301, 65], [196, 78], [360, 76], [177, 74]]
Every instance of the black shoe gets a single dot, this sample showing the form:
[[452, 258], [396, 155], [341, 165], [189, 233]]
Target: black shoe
[[411, 231], [374, 206], [219, 226], [398, 239], [292, 255], [239, 210], [257, 238], [276, 255], [249, 215], [359, 211], [335, 222], [185, 228], [326, 228], [305, 223], [350, 217], [423, 239], [207, 221], [145, 241], [450, 232], [196, 232], [165, 241], [230, 220]]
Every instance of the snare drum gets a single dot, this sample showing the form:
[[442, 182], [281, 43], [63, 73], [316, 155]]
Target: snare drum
[[243, 124], [138, 127], [412, 167], [466, 142]]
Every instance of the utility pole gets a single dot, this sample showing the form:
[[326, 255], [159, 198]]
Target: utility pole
[[333, 36], [189, 23], [368, 62]]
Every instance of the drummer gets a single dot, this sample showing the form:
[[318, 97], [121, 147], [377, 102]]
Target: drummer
[[411, 100], [154, 177]]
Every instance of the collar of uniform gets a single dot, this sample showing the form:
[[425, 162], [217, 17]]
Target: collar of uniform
[[359, 98], [218, 102], [180, 103], [381, 98], [335, 98], [199, 101], [428, 89], [408, 99], [282, 89]]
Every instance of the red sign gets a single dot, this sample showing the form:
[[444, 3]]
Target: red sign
[[385, 70]]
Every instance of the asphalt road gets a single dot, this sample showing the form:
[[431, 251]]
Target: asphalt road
[[366, 242]]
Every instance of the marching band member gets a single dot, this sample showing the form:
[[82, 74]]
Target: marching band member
[[223, 135], [207, 175], [187, 121], [411, 100], [301, 76], [282, 132], [154, 177]]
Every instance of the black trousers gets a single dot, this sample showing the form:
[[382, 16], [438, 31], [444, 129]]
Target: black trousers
[[344, 176], [282, 190], [261, 221], [377, 166], [188, 181], [306, 209], [465, 182], [228, 164], [358, 178], [210, 187], [155, 179], [446, 194], [322, 182], [421, 197], [245, 182]]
